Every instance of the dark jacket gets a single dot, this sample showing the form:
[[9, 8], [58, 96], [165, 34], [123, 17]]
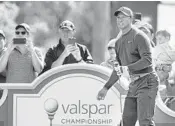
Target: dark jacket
[[2, 77], [54, 53]]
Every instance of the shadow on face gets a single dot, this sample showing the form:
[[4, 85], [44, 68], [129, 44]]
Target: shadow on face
[[66, 34]]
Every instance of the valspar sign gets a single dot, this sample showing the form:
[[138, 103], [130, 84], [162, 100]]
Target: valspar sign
[[90, 113], [66, 96], [73, 90]]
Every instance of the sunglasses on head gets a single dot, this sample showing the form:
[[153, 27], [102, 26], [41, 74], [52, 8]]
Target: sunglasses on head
[[22, 33]]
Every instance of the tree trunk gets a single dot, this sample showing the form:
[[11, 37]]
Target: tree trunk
[[101, 30]]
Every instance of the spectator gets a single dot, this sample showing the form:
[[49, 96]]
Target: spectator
[[147, 29], [163, 53], [151, 29], [22, 61], [110, 63], [148, 33], [164, 56], [67, 50]]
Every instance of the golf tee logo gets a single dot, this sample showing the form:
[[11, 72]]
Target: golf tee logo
[[79, 113]]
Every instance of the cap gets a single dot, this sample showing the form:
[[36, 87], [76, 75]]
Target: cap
[[23, 25], [145, 29], [111, 43], [67, 24], [149, 26], [2, 33], [125, 10]]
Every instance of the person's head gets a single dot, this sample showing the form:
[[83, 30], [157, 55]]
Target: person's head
[[66, 30], [111, 49], [162, 36], [22, 31], [124, 17], [2, 40]]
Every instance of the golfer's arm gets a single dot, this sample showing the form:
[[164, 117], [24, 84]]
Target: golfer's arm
[[112, 80]]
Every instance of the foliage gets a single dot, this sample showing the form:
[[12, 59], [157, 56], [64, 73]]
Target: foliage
[[8, 14], [45, 17]]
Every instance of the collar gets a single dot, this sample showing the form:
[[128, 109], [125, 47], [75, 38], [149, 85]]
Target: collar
[[26, 51]]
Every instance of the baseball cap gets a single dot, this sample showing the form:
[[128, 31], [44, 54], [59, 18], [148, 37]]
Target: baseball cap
[[67, 24], [144, 28], [111, 43], [2, 33], [149, 26], [125, 10], [23, 25]]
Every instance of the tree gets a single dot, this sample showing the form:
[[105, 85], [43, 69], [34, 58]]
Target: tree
[[8, 14]]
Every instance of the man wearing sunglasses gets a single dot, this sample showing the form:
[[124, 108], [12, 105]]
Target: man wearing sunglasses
[[21, 60], [68, 50], [133, 52]]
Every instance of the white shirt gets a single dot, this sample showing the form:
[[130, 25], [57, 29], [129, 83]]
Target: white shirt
[[163, 54]]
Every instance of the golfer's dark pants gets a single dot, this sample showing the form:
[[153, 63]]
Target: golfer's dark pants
[[140, 101]]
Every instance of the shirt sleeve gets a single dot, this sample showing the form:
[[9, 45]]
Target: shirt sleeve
[[112, 80], [87, 56], [39, 54], [144, 49], [49, 59]]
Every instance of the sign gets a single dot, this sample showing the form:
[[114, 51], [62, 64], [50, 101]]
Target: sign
[[76, 95], [67, 96]]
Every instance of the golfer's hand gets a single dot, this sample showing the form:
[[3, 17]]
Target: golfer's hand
[[125, 71], [102, 93]]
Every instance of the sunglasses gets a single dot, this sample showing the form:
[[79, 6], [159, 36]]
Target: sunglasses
[[22, 33]]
